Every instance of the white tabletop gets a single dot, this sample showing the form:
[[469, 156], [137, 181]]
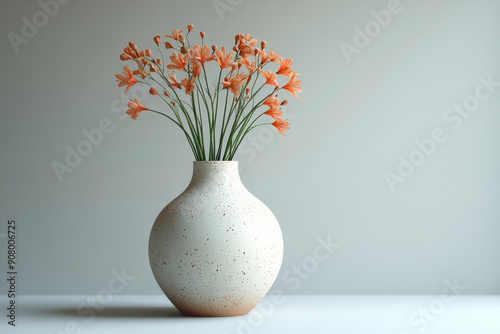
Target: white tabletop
[[278, 314]]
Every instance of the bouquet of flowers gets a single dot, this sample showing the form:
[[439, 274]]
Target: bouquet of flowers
[[196, 104]]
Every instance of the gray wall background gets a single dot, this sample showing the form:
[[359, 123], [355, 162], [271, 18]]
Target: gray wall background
[[326, 178]]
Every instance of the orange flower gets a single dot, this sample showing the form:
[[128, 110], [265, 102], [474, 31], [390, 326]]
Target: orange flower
[[172, 80], [201, 54], [264, 57], [168, 45], [274, 56], [179, 61], [126, 78], [156, 39], [196, 69], [246, 44], [132, 45], [293, 85], [141, 71], [135, 108], [285, 67], [235, 83], [247, 39], [153, 68], [133, 54], [272, 102], [124, 57], [189, 85], [176, 35], [223, 59], [281, 125], [274, 113], [249, 65], [270, 77], [190, 27]]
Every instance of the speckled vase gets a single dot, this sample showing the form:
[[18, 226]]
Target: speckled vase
[[216, 249]]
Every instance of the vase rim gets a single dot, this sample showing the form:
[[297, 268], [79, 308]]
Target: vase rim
[[215, 162]]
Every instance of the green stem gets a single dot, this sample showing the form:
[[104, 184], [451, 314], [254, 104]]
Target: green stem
[[231, 156], [182, 128], [222, 129]]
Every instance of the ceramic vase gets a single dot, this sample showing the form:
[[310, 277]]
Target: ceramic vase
[[216, 249]]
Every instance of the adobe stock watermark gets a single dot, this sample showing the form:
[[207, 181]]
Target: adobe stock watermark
[[453, 117], [421, 319], [75, 156], [95, 304], [294, 277], [31, 26], [93, 138], [371, 29], [223, 6]]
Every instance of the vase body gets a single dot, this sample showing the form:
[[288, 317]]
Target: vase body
[[216, 249]]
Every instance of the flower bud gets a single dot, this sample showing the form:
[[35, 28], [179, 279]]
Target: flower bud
[[255, 51], [124, 57], [235, 49], [190, 27], [202, 34], [166, 93], [156, 39], [236, 39], [168, 45], [248, 91], [183, 49], [263, 44], [153, 91], [214, 48], [147, 52], [158, 61], [285, 102], [132, 45]]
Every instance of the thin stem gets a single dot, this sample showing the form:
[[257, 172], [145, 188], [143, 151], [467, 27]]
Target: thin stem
[[231, 156], [182, 128], [222, 129]]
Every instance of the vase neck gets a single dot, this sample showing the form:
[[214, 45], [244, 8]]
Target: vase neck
[[216, 172]]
